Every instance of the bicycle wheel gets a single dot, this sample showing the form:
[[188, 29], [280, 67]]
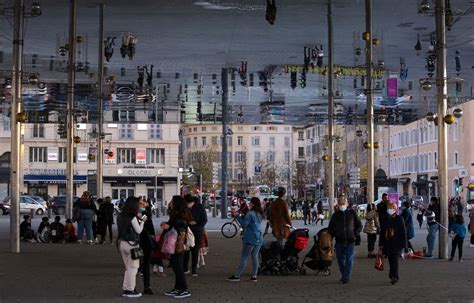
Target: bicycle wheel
[[229, 230]]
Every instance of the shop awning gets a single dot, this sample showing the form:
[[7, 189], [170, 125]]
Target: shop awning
[[46, 179], [124, 180], [403, 180]]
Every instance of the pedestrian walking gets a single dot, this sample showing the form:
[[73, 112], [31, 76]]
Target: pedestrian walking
[[203, 249], [179, 220], [382, 210], [87, 211], [107, 210], [130, 224], [419, 216], [252, 239], [147, 243], [306, 212], [407, 215], [280, 217], [319, 207], [393, 240], [197, 225], [371, 228], [471, 227], [432, 215], [345, 226], [457, 232]]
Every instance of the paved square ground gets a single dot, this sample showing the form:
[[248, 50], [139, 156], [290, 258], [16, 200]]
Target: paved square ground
[[93, 273]]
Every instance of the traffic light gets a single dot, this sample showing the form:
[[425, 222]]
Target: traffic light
[[293, 80], [303, 80], [199, 111]]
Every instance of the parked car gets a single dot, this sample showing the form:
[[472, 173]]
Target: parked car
[[4, 209], [58, 204], [40, 200], [26, 205]]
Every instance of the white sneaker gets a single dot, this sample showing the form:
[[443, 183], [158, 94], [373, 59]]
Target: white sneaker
[[471, 245]]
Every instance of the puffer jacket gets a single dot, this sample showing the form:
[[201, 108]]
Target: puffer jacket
[[372, 225], [345, 226]]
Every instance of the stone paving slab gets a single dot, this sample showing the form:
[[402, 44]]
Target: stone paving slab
[[94, 273]]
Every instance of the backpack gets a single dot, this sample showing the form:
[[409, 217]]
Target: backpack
[[45, 236], [76, 213]]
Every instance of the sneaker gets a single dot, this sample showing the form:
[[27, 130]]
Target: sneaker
[[187, 272], [172, 293], [233, 279], [429, 256], [450, 259], [155, 269], [79, 241], [471, 245], [394, 281], [148, 291], [195, 274], [182, 294], [345, 280], [253, 279], [461, 260], [131, 294], [162, 274]]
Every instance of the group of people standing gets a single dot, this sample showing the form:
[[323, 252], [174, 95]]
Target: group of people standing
[[136, 233]]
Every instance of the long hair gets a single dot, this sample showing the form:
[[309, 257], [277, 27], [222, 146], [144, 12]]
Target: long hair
[[130, 207], [179, 206], [257, 206]]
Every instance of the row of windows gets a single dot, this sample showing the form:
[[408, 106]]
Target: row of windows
[[255, 141], [421, 163], [241, 157], [125, 131], [239, 128], [124, 155], [421, 135]]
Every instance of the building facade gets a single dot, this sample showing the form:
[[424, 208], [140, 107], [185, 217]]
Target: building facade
[[413, 155], [139, 159]]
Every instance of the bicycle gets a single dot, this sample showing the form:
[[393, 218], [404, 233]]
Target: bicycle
[[230, 229]]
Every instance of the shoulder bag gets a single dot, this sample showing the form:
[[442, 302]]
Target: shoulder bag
[[169, 242], [190, 239]]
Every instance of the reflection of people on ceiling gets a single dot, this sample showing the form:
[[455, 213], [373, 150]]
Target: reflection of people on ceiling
[[320, 56], [141, 76], [403, 69], [430, 61], [271, 11], [149, 75], [243, 73], [307, 57], [109, 48], [457, 59]]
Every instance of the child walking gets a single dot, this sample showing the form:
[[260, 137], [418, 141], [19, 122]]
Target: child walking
[[203, 250], [459, 230]]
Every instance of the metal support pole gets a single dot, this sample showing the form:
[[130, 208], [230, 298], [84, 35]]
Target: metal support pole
[[224, 85], [441, 96], [370, 105], [100, 99], [330, 110], [70, 108], [15, 156]]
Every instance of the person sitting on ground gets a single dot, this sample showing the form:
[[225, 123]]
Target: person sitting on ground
[[44, 223], [280, 217], [70, 232], [26, 233], [57, 230]]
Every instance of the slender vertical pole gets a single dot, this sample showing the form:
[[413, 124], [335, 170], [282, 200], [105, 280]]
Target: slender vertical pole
[[330, 110], [370, 105], [15, 156], [441, 97], [70, 108], [100, 99], [224, 84]]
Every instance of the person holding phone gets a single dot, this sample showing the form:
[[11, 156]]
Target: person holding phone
[[130, 224]]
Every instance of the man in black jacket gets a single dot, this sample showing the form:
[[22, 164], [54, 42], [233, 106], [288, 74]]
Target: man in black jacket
[[382, 210], [199, 215], [345, 226], [433, 216]]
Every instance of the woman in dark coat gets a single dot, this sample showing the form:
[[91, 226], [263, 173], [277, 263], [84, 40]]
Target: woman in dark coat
[[393, 240], [147, 238], [407, 215]]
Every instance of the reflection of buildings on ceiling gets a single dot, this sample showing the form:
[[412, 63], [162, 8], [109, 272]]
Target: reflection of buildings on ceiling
[[410, 154], [141, 159], [273, 112]]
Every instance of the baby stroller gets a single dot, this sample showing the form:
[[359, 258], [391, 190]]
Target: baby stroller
[[321, 254], [284, 261]]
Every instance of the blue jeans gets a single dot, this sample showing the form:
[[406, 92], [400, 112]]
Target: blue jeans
[[431, 238], [85, 222], [248, 250], [345, 256]]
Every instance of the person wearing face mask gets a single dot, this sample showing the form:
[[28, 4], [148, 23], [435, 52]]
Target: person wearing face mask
[[393, 240], [345, 226], [199, 215]]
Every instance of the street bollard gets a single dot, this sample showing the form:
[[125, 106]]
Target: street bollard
[[32, 213], [213, 211], [50, 213]]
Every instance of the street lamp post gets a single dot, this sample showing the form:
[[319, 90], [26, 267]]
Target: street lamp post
[[100, 118], [330, 108], [370, 103]]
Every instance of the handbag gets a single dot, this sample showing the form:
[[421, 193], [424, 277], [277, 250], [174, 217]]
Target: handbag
[[190, 239], [452, 234], [379, 262], [169, 242], [137, 253], [180, 242]]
